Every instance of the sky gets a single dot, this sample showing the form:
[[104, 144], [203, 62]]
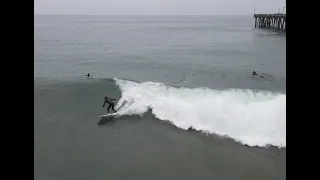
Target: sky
[[157, 7]]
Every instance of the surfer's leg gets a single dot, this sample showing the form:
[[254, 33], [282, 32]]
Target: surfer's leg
[[110, 105], [113, 108]]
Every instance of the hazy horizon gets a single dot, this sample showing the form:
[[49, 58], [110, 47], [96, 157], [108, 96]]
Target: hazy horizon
[[143, 14], [157, 7]]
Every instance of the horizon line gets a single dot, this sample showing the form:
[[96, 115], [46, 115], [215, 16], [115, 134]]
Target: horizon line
[[143, 14]]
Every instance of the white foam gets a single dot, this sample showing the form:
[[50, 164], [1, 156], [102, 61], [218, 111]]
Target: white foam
[[252, 118]]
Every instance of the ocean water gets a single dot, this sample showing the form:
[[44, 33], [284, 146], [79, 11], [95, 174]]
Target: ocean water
[[191, 108]]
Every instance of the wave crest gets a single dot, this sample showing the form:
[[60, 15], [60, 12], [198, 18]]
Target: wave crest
[[252, 118]]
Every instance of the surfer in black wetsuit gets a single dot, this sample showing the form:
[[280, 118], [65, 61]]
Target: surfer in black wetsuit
[[255, 74], [110, 102]]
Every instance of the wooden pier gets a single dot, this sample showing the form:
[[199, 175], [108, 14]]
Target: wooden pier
[[270, 21]]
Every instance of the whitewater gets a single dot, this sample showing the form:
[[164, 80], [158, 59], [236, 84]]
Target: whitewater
[[253, 118]]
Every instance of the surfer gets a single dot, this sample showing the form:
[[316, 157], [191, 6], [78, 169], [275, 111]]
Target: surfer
[[88, 74], [110, 102], [255, 74]]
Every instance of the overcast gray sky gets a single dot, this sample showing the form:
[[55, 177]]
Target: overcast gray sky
[[158, 7]]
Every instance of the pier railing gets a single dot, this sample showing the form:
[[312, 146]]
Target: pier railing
[[270, 21]]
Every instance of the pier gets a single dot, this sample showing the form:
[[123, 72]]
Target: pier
[[270, 21]]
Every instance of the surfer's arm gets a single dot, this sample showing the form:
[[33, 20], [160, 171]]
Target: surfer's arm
[[104, 104], [114, 99]]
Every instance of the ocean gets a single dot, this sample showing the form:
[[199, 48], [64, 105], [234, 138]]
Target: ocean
[[190, 106]]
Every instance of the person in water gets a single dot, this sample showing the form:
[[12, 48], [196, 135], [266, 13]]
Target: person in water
[[88, 74], [255, 74], [110, 102]]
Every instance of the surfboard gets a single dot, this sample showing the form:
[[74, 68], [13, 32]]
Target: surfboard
[[109, 115]]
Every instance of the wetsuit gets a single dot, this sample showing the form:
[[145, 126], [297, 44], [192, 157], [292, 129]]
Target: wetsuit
[[111, 104]]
